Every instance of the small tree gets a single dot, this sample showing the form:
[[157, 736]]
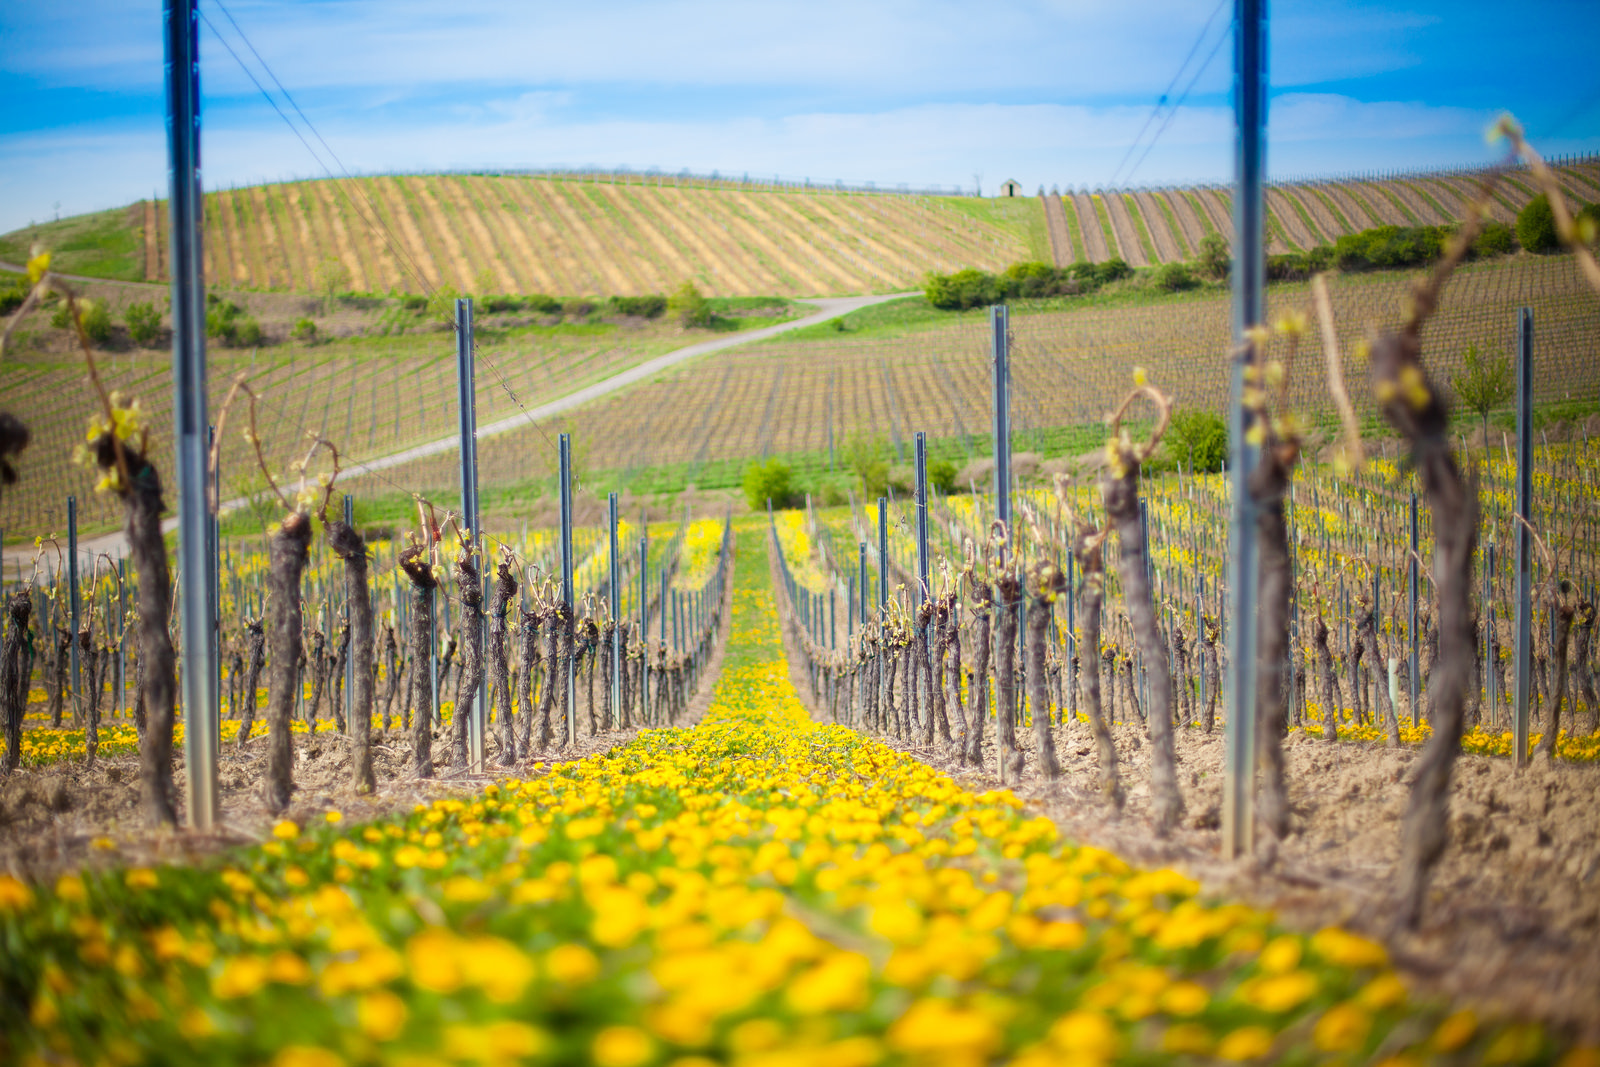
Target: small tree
[[331, 278], [1483, 385], [690, 306], [1200, 437], [772, 481], [1536, 226], [1214, 260], [144, 324]]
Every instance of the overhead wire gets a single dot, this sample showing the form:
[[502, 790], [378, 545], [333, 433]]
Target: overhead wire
[[1172, 114], [371, 217], [1161, 102]]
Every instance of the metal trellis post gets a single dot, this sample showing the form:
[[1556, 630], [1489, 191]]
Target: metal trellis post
[[566, 571], [182, 34], [1250, 121], [467, 421], [1524, 637]]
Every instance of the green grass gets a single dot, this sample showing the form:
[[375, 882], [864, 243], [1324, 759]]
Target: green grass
[[1021, 216], [1427, 198], [1160, 200], [1199, 211], [1333, 208], [1140, 229], [106, 244], [1305, 216], [1080, 250], [1101, 212]]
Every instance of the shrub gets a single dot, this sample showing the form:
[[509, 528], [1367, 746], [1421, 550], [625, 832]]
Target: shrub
[[144, 324], [1536, 226], [941, 476], [304, 331], [1496, 239], [690, 306], [1213, 259], [11, 298], [441, 304], [1204, 433], [772, 480], [222, 319], [1388, 247], [1589, 220], [413, 302], [1112, 269], [496, 304], [96, 320], [547, 305], [964, 289], [248, 333], [578, 308], [60, 320], [649, 306], [1174, 277]]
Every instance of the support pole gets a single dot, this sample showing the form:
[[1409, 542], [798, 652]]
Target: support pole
[[1413, 580], [349, 659], [1000, 348], [615, 560], [1250, 122], [190, 432], [1524, 637], [922, 515], [566, 571], [467, 420], [74, 604]]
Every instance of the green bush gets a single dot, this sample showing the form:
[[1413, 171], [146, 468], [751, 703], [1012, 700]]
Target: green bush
[[1589, 219], [496, 304], [772, 480], [11, 298], [941, 476], [649, 306], [96, 320], [61, 319], [548, 305], [964, 289], [1200, 434], [1213, 259], [305, 331], [1112, 269], [1174, 277], [578, 308], [413, 302], [1496, 239], [690, 307], [144, 324], [1536, 226], [248, 333], [1389, 247]]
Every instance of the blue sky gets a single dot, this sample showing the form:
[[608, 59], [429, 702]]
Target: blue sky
[[1050, 92]]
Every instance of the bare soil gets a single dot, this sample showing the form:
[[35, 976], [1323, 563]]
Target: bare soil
[[1513, 919]]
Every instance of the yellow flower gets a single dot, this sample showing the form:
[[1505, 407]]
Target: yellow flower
[[1085, 1035], [1184, 998], [382, 1015], [240, 977], [1245, 1043], [14, 894], [839, 983], [622, 1046], [1281, 955], [1279, 992], [284, 830], [306, 1056], [1384, 991], [1342, 1028], [141, 878], [572, 965], [334, 816], [1455, 1031], [1345, 949]]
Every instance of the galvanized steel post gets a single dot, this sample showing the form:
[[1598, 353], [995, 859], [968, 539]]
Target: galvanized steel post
[[883, 557], [1000, 348], [182, 36], [1250, 122], [614, 559], [74, 607], [1413, 661], [1524, 636], [566, 572], [467, 422]]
